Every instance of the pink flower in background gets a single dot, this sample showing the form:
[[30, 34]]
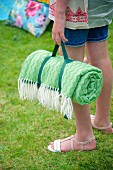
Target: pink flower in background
[[32, 7], [18, 21]]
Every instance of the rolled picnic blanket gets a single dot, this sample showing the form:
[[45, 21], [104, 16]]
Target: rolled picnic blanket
[[56, 81]]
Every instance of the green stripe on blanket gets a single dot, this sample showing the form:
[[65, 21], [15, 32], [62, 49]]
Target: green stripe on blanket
[[81, 82]]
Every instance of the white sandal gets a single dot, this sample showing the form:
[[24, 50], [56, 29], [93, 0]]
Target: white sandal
[[107, 129], [72, 138]]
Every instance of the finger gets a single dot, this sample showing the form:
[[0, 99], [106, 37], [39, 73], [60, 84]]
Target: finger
[[58, 39], [63, 38], [53, 38]]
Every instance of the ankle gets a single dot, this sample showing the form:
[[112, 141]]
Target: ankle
[[102, 121], [83, 136]]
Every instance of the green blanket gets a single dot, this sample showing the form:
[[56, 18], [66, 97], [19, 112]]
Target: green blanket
[[57, 89]]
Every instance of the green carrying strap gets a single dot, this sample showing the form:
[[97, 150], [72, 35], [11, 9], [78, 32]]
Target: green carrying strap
[[66, 61], [41, 69], [63, 50]]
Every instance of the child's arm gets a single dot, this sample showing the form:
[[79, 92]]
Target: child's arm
[[59, 23]]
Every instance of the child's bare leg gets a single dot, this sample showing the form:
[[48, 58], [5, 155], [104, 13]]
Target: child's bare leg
[[100, 59], [82, 113], [86, 58]]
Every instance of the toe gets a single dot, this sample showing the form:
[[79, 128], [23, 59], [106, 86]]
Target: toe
[[52, 145]]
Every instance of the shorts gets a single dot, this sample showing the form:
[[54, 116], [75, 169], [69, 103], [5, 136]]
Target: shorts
[[79, 37]]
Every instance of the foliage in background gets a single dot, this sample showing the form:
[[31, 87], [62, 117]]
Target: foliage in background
[[26, 128]]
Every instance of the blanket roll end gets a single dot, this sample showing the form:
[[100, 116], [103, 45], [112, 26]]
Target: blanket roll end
[[88, 87], [46, 96]]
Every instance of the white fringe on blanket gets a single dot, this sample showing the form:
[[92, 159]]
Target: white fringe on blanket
[[46, 96]]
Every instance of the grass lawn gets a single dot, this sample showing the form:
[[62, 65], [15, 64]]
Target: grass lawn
[[26, 128]]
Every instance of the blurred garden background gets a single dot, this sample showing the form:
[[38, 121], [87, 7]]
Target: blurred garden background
[[26, 128]]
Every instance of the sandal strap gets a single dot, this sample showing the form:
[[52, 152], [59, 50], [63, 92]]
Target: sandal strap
[[68, 138], [81, 143], [57, 143], [103, 128], [100, 128]]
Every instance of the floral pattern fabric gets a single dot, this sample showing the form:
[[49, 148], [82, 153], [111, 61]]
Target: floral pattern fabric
[[29, 15]]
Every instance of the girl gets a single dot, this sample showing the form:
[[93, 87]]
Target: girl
[[80, 23]]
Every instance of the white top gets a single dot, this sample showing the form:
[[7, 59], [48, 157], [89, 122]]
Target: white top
[[83, 14]]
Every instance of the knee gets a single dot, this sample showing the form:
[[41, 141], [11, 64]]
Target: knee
[[99, 61], [98, 53]]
